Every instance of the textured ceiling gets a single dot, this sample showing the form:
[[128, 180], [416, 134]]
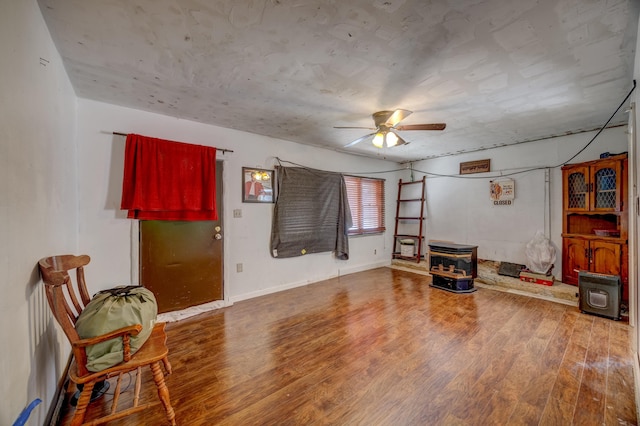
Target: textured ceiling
[[496, 72]]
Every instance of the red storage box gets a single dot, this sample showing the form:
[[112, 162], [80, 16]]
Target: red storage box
[[532, 277]]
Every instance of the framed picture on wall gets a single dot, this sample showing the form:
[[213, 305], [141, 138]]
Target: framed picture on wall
[[257, 186]]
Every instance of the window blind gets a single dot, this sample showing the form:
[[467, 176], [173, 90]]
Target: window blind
[[367, 203]]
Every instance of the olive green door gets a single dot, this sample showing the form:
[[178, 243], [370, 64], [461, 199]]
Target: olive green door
[[182, 262]]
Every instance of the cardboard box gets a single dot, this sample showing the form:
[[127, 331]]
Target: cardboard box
[[532, 277]]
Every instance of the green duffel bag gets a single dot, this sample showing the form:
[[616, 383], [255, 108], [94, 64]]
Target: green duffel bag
[[113, 309]]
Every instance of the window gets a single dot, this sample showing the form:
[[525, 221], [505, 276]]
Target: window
[[366, 200]]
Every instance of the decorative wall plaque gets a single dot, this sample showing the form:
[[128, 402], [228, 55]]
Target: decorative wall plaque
[[479, 166]]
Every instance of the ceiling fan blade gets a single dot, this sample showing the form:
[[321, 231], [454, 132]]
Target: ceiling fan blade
[[434, 126], [397, 116], [363, 138], [352, 127]]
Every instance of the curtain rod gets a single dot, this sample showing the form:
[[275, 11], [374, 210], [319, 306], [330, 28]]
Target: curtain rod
[[219, 149]]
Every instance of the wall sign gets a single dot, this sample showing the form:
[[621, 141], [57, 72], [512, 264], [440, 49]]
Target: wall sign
[[479, 166], [502, 192]]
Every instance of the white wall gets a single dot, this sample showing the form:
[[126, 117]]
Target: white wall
[[106, 234], [38, 208], [459, 208]]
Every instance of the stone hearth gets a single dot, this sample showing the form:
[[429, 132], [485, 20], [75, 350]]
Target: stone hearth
[[488, 277]]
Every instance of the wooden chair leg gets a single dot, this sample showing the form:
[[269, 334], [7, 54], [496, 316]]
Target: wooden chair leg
[[167, 365], [83, 402], [163, 392]]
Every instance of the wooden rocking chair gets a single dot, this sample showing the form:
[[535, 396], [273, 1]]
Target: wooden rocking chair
[[66, 307]]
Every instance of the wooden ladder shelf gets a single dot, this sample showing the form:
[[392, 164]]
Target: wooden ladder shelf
[[418, 236]]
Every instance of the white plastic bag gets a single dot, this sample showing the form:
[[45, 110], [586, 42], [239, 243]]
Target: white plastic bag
[[540, 253]]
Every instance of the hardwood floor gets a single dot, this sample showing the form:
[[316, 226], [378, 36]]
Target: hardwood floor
[[381, 347]]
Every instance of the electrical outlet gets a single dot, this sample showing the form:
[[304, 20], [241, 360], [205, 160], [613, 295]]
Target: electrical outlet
[[237, 213], [375, 251], [238, 267]]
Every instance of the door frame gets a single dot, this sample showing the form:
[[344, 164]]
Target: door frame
[[135, 240]]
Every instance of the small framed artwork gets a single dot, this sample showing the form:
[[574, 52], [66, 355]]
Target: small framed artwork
[[257, 186]]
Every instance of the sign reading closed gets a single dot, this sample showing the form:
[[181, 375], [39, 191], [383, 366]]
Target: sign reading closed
[[502, 192]]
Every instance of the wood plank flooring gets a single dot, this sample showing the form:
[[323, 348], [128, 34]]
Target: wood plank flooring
[[381, 347]]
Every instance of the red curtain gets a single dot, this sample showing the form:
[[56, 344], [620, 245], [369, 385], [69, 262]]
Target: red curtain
[[166, 180]]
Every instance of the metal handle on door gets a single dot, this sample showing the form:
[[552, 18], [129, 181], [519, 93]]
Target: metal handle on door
[[217, 237]]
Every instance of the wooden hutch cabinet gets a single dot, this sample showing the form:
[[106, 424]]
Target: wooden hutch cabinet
[[595, 226]]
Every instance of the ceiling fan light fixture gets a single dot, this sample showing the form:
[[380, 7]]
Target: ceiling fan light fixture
[[392, 139], [378, 140], [386, 126]]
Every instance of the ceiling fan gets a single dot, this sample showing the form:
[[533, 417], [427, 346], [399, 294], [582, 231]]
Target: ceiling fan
[[386, 123]]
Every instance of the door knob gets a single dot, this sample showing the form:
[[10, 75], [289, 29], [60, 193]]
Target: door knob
[[217, 237]]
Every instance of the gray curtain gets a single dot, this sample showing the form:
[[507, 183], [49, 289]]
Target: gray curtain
[[311, 214]]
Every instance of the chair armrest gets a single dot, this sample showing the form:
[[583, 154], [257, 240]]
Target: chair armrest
[[130, 330], [79, 347], [124, 332]]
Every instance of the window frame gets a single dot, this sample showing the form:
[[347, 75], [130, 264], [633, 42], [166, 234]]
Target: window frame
[[360, 213]]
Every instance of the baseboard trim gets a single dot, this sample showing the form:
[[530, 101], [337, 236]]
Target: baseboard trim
[[313, 280]]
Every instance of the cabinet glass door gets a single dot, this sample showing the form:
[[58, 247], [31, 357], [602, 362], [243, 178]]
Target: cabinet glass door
[[577, 190], [605, 180], [605, 189]]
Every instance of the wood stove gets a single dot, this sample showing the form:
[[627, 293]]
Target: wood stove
[[453, 266]]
